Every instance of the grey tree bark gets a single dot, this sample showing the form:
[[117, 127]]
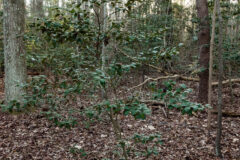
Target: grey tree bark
[[63, 3], [33, 8], [14, 52], [37, 8]]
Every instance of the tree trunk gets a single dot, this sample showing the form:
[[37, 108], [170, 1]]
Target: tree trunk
[[98, 23], [33, 8], [220, 79], [211, 65], [63, 3], [14, 52], [103, 53], [1, 4], [203, 43], [39, 8], [104, 28]]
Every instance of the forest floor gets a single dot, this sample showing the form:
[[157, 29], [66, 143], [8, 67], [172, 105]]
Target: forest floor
[[33, 136]]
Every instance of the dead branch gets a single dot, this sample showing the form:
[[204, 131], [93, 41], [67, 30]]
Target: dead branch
[[169, 76], [152, 102], [153, 79], [227, 114], [182, 78], [227, 81]]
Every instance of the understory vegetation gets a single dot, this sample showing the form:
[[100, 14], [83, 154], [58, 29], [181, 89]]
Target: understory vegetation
[[122, 70]]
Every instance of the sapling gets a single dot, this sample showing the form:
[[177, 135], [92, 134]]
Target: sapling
[[110, 79]]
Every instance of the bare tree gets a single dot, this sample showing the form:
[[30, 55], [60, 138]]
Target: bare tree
[[14, 52], [203, 43]]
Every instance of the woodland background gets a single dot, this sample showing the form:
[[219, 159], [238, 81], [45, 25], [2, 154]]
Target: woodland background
[[112, 79]]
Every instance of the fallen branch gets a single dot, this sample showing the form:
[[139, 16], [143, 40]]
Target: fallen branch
[[183, 78], [227, 81], [152, 79], [227, 114], [172, 76], [152, 102]]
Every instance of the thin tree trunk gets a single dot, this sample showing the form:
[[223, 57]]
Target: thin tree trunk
[[98, 23], [33, 8], [220, 79], [63, 3], [210, 65], [14, 52], [104, 27], [167, 5], [203, 43], [39, 8]]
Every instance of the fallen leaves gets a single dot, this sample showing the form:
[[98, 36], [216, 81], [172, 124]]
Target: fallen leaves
[[184, 137]]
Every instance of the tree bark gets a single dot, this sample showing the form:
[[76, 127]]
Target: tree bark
[[63, 3], [211, 65], [1, 4], [220, 85], [33, 7], [39, 8], [203, 43], [14, 52], [104, 28]]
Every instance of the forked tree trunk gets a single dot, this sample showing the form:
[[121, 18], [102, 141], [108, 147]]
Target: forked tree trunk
[[203, 43], [14, 53]]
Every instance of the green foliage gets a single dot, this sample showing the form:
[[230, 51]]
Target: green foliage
[[176, 97], [147, 141], [66, 48], [75, 151], [12, 106], [137, 110], [59, 120]]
